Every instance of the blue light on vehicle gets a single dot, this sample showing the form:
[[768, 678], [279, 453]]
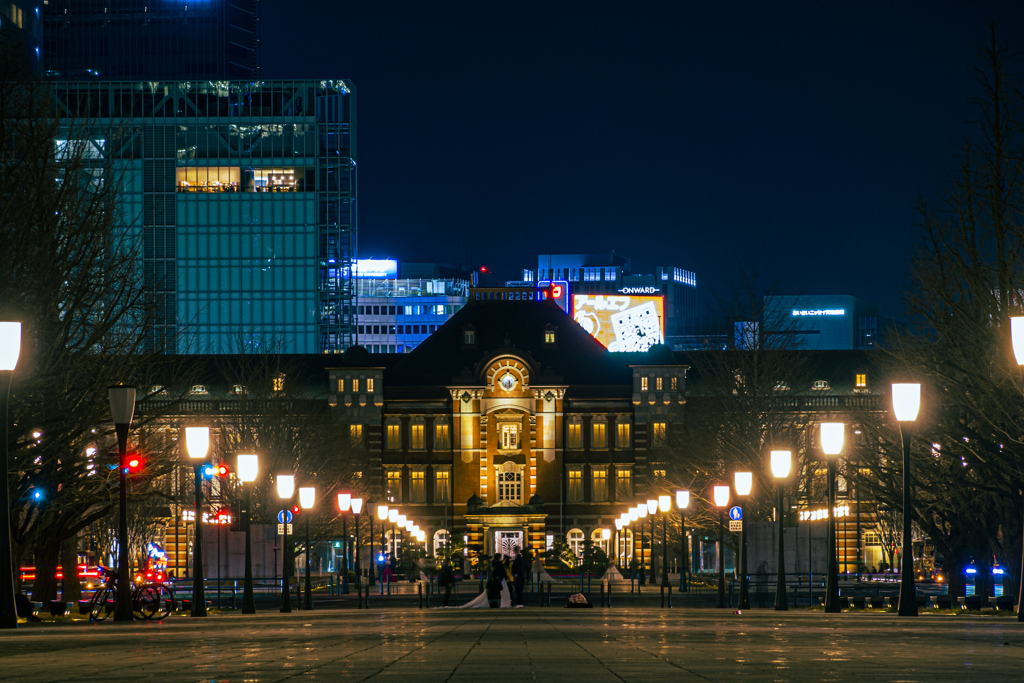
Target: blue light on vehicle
[[971, 570]]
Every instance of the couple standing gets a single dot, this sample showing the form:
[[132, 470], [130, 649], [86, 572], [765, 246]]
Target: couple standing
[[504, 571]]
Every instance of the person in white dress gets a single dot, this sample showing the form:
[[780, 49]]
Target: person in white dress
[[481, 601]]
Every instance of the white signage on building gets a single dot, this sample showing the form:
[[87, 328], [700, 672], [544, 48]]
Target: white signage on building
[[819, 311], [812, 515], [639, 290]]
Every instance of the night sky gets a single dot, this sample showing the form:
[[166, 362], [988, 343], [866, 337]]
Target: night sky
[[795, 137]]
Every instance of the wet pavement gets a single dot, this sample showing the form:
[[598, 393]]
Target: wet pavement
[[531, 644]]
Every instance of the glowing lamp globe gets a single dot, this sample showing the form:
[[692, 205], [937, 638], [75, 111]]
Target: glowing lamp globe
[[401, 520], [906, 401], [10, 345], [618, 524], [721, 496], [782, 461], [682, 499], [247, 467], [307, 497], [606, 534], [641, 511], [652, 505], [357, 505], [634, 514], [832, 435], [382, 512], [393, 515], [744, 482], [197, 442], [122, 404], [285, 486], [344, 501], [664, 503], [1016, 336]]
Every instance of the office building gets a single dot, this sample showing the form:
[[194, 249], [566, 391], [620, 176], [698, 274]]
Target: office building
[[21, 29], [826, 322], [152, 39], [604, 274], [245, 194]]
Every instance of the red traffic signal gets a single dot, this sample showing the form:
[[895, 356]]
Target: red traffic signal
[[134, 463], [295, 509], [222, 470]]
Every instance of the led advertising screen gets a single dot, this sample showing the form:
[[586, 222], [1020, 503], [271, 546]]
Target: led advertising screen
[[376, 268], [559, 292], [621, 322]]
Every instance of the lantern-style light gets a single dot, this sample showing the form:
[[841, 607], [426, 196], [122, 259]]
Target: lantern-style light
[[682, 499], [1016, 336], [393, 515], [606, 533], [10, 345], [641, 510], [247, 467], [782, 461], [664, 503], [197, 442], [634, 514], [744, 482], [357, 505], [906, 401], [652, 505], [382, 512], [400, 519], [307, 497], [122, 404], [832, 434], [618, 524], [624, 518], [344, 501], [285, 486], [721, 496]]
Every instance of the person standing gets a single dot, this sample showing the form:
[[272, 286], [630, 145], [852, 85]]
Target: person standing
[[495, 582], [446, 580], [518, 575]]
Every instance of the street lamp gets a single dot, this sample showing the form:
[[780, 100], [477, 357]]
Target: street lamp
[[652, 510], [10, 349], [307, 499], [344, 503], [247, 468], [782, 461], [618, 539], [906, 402], [122, 409], [1017, 337], [664, 504], [683, 502], [721, 498], [743, 483], [832, 434], [285, 491], [197, 443], [641, 511], [357, 507]]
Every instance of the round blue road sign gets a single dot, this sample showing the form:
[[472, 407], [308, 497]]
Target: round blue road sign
[[736, 513], [284, 517]]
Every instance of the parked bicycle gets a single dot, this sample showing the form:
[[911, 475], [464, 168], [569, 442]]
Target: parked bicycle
[[152, 599]]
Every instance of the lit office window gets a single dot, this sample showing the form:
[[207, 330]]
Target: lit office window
[[369, 385], [394, 486], [341, 386], [624, 485], [599, 434], [575, 434], [861, 380], [643, 384], [657, 384], [441, 438], [355, 434], [416, 438], [622, 437], [599, 485], [575, 486], [394, 437], [355, 386], [658, 431], [442, 486], [417, 487]]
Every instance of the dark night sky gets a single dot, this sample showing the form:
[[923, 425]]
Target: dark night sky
[[794, 136]]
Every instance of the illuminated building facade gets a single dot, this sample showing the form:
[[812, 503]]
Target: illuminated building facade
[[828, 322], [152, 39], [245, 195]]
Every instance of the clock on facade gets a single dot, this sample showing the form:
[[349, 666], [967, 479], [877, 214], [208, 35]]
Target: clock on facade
[[507, 381]]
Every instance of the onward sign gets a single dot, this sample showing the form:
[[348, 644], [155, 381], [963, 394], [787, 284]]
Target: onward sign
[[639, 290]]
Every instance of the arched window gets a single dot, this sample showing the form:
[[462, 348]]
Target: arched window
[[575, 539], [597, 537], [625, 545], [441, 542], [510, 482]]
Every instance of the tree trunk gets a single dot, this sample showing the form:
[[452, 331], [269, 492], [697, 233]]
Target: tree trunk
[[954, 569], [47, 557], [71, 587]]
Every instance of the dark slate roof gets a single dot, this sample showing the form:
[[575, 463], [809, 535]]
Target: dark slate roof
[[518, 327]]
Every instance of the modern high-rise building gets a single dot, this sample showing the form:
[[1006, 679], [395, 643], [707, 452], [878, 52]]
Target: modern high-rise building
[[21, 30], [827, 322], [244, 193], [152, 39]]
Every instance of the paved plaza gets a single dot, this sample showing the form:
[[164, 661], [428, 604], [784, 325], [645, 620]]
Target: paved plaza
[[531, 644]]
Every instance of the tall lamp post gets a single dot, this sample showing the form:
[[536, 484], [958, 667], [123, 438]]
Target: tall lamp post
[[307, 499], [743, 483], [10, 349], [247, 468], [832, 434], [641, 512], [652, 512], [683, 502], [344, 503], [906, 402], [618, 541], [285, 491], [721, 501], [1017, 337], [122, 409], [782, 462], [357, 507], [197, 443], [664, 504]]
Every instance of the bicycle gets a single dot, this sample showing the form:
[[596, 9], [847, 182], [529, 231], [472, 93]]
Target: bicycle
[[152, 600]]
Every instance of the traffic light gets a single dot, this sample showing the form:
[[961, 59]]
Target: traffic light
[[295, 509], [208, 471], [134, 464], [222, 470]]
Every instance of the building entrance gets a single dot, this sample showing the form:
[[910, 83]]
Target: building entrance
[[505, 541]]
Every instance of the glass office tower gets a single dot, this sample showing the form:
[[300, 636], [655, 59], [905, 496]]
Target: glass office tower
[[152, 39], [245, 196]]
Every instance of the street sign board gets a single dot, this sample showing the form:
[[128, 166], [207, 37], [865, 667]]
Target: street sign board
[[288, 529], [735, 525], [736, 513], [281, 529], [284, 517]]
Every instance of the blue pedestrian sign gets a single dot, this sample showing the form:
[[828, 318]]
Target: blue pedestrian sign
[[284, 517], [736, 513]]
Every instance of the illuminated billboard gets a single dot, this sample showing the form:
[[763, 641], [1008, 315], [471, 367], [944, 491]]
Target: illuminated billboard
[[376, 268], [621, 323], [559, 292]]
